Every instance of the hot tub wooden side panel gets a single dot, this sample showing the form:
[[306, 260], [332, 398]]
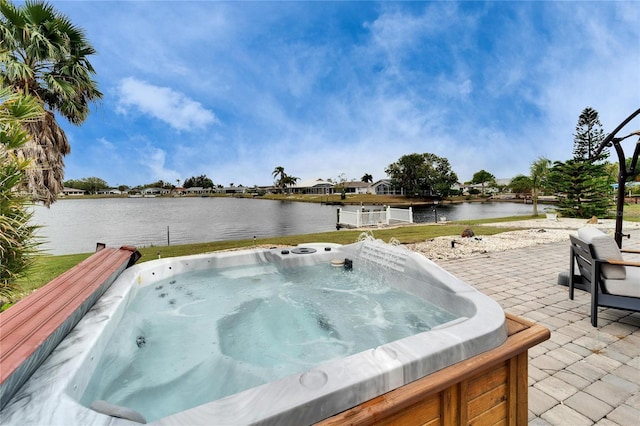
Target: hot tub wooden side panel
[[490, 388]]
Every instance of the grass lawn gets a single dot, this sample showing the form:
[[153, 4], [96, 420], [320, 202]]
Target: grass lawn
[[632, 212]]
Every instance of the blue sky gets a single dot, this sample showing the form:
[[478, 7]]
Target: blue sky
[[340, 89]]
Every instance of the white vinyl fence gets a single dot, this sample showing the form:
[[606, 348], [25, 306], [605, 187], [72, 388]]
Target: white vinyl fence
[[373, 217]]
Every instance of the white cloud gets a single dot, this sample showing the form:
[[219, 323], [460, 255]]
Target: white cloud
[[163, 103], [154, 159], [397, 30], [106, 144], [487, 85]]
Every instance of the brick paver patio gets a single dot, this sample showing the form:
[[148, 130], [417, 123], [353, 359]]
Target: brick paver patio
[[582, 375]]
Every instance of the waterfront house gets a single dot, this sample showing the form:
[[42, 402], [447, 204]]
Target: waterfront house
[[197, 190], [72, 192], [155, 191], [312, 186], [111, 191], [357, 187], [384, 187], [235, 189]]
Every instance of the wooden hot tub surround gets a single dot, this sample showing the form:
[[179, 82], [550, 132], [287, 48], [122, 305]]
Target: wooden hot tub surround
[[487, 389], [32, 328]]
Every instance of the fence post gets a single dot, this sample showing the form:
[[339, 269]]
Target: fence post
[[358, 218], [338, 214], [410, 214], [388, 215]]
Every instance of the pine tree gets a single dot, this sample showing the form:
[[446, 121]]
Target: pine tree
[[583, 182], [584, 188], [589, 135]]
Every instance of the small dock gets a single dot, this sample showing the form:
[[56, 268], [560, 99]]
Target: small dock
[[373, 217]]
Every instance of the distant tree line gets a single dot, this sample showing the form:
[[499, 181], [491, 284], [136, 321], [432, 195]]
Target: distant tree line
[[199, 181], [90, 185], [93, 185]]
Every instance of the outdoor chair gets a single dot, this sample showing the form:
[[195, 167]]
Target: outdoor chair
[[612, 281]]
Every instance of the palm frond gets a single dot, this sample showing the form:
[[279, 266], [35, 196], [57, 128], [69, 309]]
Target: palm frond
[[47, 57]]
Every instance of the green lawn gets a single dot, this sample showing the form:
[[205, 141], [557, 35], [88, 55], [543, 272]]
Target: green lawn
[[632, 212]]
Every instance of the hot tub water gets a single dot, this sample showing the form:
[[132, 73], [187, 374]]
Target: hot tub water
[[210, 334]]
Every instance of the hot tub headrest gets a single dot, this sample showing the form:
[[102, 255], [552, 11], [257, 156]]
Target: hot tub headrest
[[113, 410]]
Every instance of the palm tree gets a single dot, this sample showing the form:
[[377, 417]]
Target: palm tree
[[280, 177], [288, 181], [367, 178], [44, 55], [539, 170]]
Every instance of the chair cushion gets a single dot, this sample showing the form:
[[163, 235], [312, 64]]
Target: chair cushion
[[630, 286], [604, 247]]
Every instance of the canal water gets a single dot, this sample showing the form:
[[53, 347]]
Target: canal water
[[76, 225]]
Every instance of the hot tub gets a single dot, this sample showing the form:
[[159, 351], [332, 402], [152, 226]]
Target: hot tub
[[63, 389]]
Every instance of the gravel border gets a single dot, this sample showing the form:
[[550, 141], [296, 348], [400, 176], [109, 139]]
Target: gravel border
[[540, 231]]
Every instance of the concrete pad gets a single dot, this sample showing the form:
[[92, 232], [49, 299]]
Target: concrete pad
[[603, 361], [556, 388], [625, 415], [608, 392], [547, 364], [564, 415], [566, 356], [588, 405], [540, 402], [573, 379], [619, 381], [587, 371]]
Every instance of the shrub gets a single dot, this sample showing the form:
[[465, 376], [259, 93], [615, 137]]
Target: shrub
[[17, 237]]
